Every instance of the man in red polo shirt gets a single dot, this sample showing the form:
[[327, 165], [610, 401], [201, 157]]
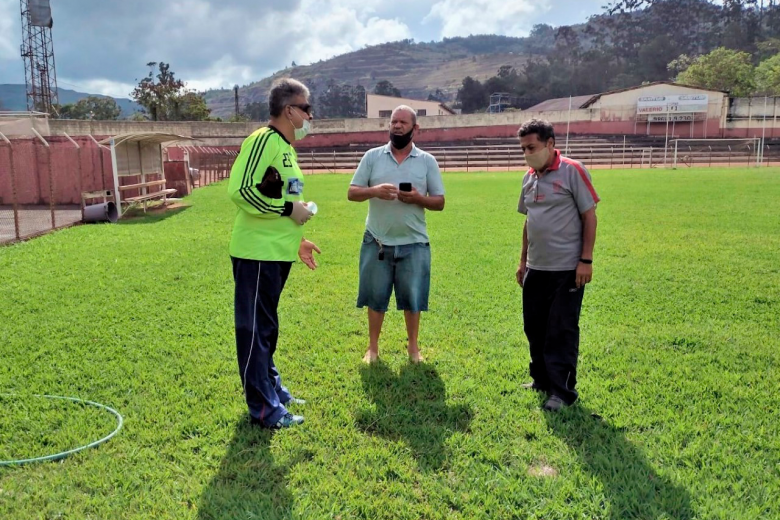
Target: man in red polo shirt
[[556, 261]]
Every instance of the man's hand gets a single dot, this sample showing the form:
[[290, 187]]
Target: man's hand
[[300, 213], [385, 191], [521, 269], [305, 253], [409, 197], [584, 274]]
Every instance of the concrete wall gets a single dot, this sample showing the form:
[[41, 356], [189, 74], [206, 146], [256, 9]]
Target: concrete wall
[[625, 103], [754, 107], [613, 114]]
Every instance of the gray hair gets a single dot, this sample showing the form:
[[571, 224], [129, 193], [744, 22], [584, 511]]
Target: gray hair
[[282, 93], [408, 109]]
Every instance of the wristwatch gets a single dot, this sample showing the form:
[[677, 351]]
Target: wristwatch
[[586, 261]]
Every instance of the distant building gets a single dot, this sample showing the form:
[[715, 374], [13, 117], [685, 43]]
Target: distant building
[[382, 106], [654, 109]]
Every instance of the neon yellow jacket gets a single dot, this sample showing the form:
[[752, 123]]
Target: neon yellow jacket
[[262, 229]]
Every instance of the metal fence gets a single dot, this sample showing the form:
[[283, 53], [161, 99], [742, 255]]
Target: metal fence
[[209, 164], [595, 154], [42, 179]]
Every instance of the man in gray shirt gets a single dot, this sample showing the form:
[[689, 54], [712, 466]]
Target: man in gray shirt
[[400, 181], [559, 233]]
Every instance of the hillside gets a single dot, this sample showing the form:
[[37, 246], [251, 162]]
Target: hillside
[[417, 69], [14, 97]]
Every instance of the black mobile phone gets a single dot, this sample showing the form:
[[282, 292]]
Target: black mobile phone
[[405, 186]]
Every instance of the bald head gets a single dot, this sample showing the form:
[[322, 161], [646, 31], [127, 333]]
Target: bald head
[[405, 108]]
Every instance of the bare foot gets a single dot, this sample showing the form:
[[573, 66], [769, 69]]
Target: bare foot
[[370, 357], [415, 356]]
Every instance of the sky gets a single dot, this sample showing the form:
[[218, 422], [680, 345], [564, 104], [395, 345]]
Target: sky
[[102, 46]]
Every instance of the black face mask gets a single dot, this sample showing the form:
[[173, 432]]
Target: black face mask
[[401, 141]]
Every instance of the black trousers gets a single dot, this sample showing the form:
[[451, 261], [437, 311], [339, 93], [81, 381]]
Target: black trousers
[[259, 285], [551, 316]]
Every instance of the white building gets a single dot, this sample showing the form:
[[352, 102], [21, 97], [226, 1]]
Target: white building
[[382, 106]]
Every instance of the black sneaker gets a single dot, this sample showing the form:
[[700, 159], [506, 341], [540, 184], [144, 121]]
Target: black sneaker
[[554, 404]]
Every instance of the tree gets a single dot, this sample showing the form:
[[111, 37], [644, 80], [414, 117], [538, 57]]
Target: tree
[[437, 95], [157, 94], [190, 106], [768, 76], [542, 39], [768, 48], [91, 107], [472, 96], [385, 88], [165, 98], [341, 100], [257, 111], [680, 64], [722, 69]]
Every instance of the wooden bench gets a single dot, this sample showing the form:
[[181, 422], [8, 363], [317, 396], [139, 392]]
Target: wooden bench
[[144, 197]]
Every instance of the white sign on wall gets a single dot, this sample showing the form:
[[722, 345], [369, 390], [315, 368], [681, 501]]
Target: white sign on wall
[[672, 118], [685, 103]]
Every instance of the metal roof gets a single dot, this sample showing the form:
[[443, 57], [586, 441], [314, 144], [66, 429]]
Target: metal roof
[[560, 104], [146, 138], [578, 102]]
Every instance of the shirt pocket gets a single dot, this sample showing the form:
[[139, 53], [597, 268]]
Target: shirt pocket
[[419, 180]]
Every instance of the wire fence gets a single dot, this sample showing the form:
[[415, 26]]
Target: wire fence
[[596, 155], [42, 180]]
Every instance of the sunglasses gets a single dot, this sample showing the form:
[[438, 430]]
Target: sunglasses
[[306, 108]]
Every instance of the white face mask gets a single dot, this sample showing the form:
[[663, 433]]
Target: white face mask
[[303, 131], [538, 160]]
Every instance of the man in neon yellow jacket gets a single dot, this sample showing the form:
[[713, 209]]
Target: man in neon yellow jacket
[[267, 186]]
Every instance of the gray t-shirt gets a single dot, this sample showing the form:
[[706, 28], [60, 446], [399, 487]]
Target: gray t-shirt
[[553, 204], [393, 222]]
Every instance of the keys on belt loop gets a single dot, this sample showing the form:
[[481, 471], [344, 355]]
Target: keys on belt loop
[[381, 255]]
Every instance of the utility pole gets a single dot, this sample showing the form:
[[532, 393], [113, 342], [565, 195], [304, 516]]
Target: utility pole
[[235, 94]]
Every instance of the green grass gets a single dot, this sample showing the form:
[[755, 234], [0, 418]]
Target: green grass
[[679, 364]]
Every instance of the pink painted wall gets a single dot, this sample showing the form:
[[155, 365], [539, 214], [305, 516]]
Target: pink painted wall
[[71, 171], [71, 174]]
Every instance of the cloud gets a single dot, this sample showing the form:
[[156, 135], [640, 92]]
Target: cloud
[[208, 43], [9, 34], [104, 46], [339, 29], [465, 17], [104, 87]]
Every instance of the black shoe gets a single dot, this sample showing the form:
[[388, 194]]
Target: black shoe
[[554, 404]]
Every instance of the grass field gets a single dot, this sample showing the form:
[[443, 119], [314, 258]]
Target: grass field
[[678, 370]]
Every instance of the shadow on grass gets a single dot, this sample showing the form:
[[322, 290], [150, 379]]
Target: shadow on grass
[[249, 484], [137, 216], [411, 407], [633, 489]]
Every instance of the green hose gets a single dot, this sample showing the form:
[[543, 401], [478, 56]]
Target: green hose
[[62, 455]]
